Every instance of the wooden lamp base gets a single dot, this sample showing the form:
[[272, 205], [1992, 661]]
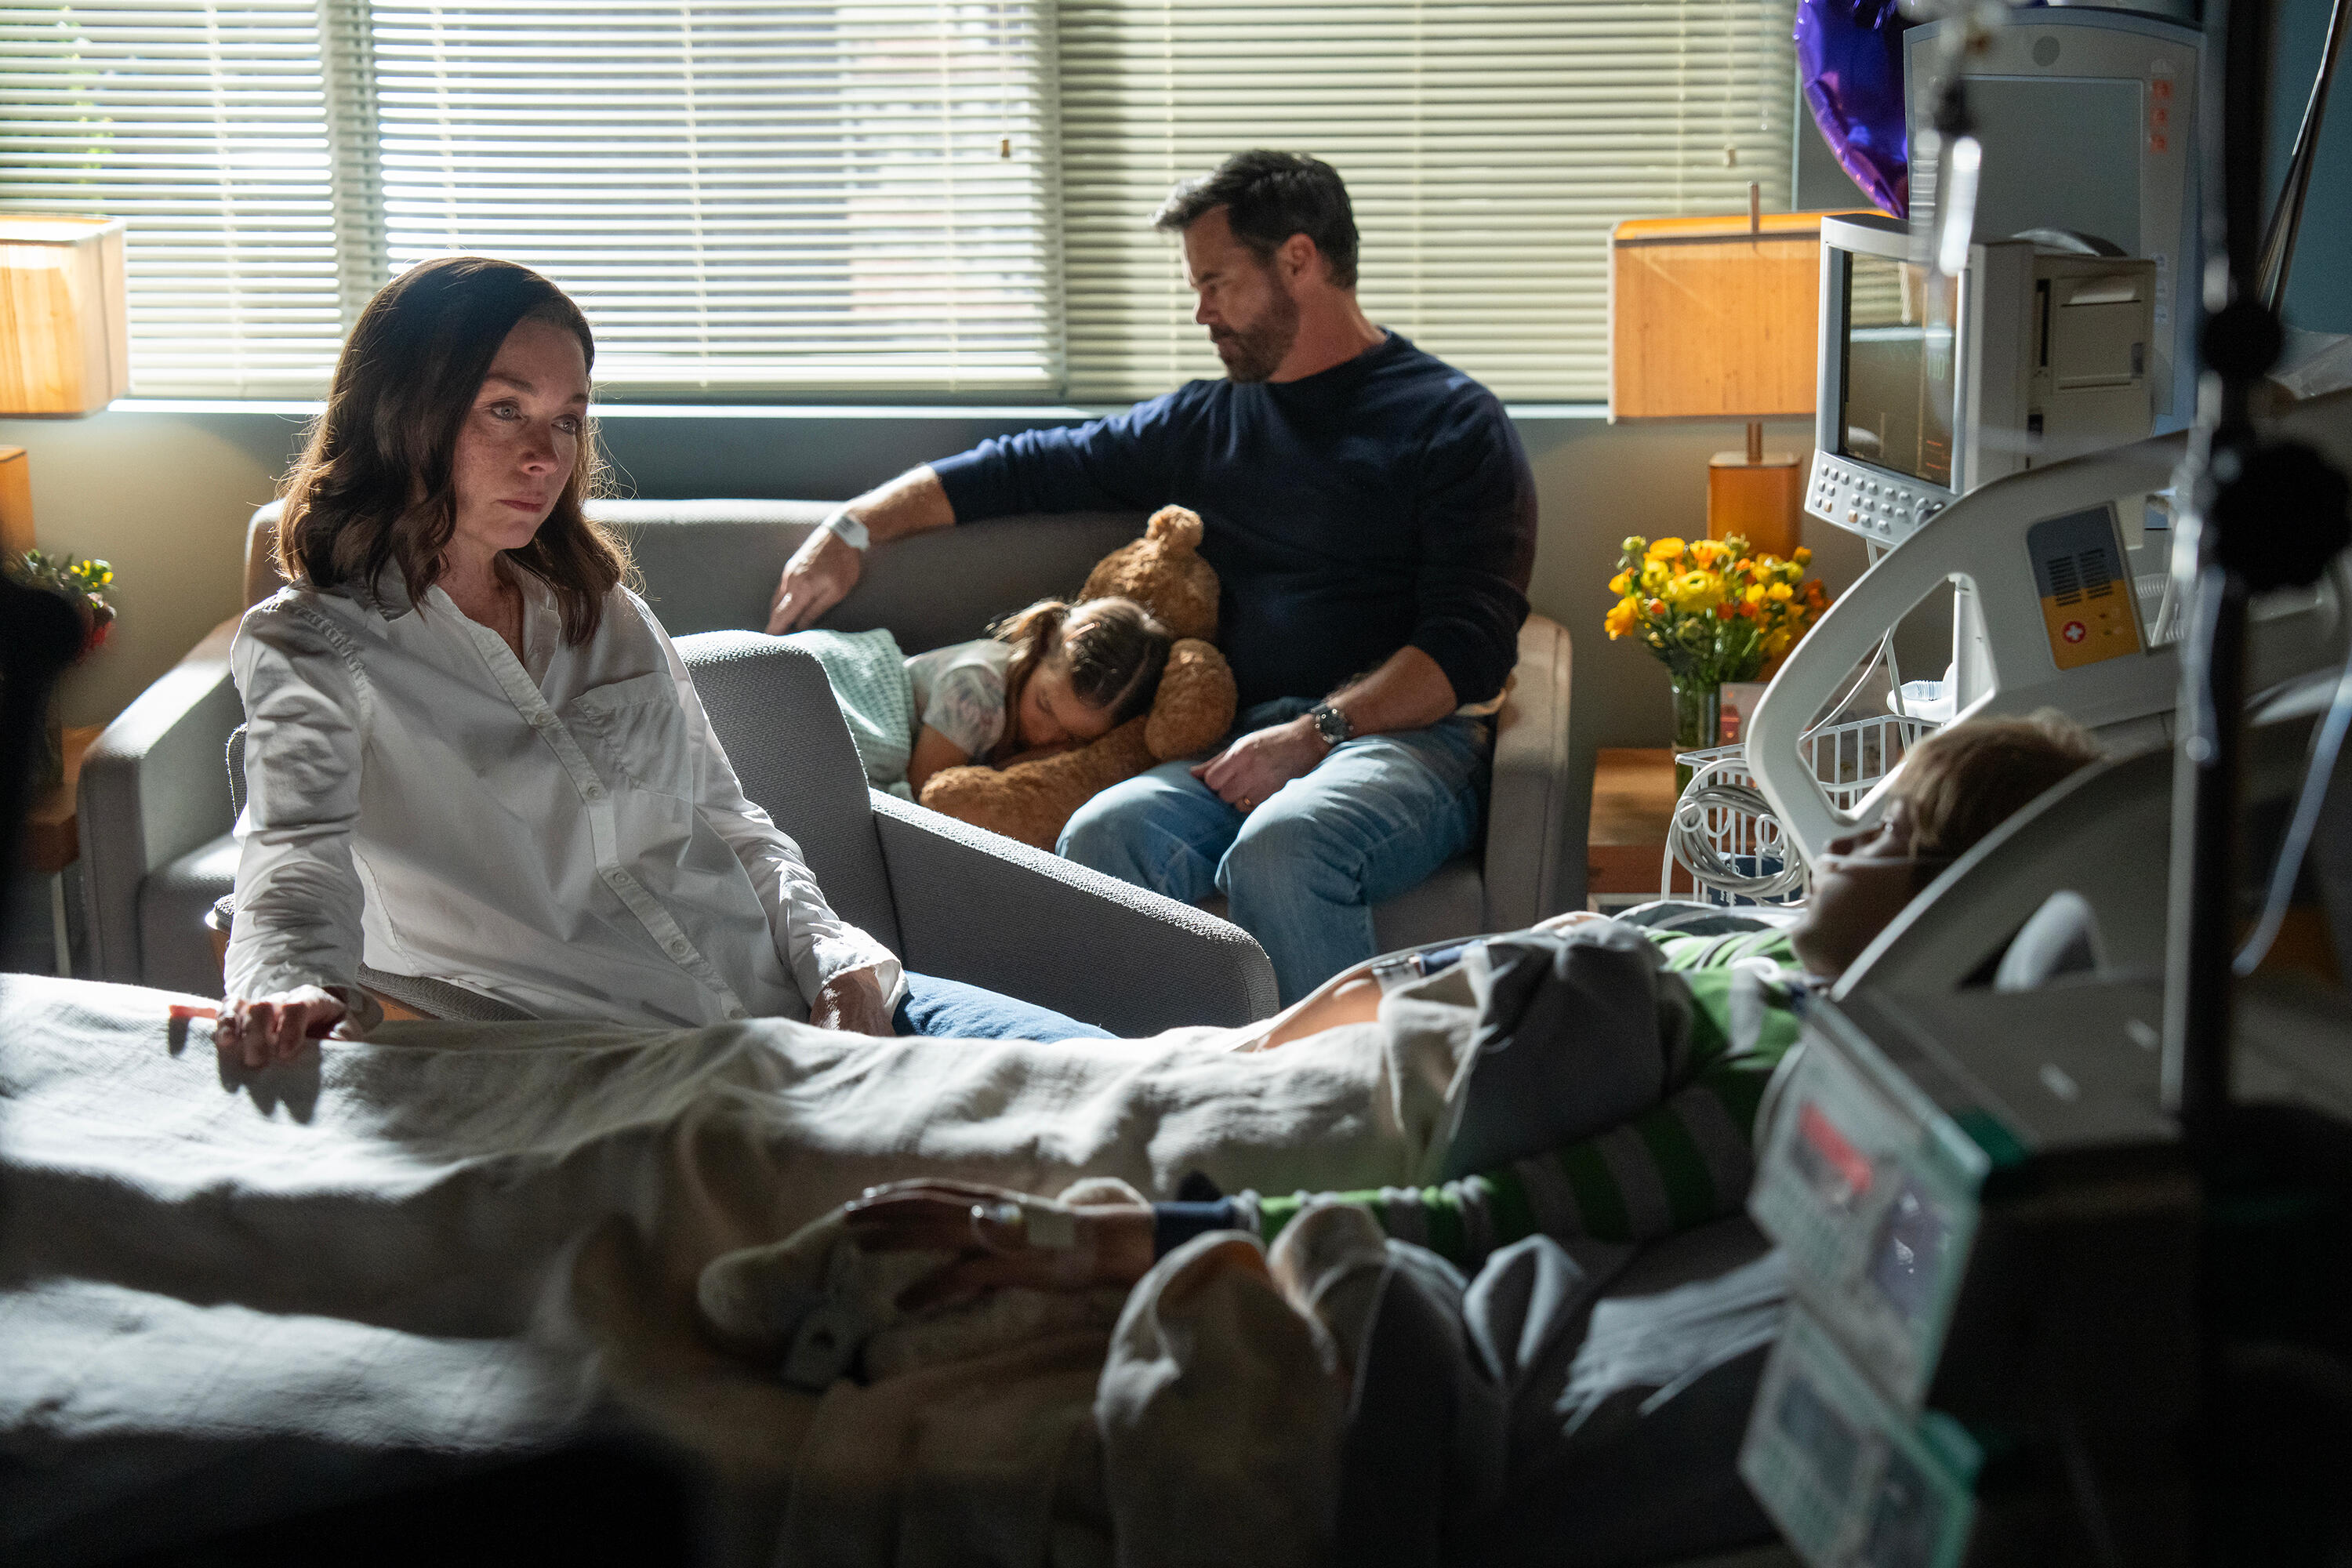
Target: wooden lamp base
[[1760, 497]]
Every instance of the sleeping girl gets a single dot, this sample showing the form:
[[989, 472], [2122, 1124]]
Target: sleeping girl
[[1054, 676]]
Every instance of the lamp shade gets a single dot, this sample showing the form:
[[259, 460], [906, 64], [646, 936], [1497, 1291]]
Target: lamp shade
[[65, 348], [1710, 319]]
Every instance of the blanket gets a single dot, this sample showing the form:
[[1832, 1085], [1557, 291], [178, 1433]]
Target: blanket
[[474, 1238], [869, 680]]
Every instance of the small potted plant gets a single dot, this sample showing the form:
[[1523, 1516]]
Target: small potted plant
[[83, 584], [1711, 612]]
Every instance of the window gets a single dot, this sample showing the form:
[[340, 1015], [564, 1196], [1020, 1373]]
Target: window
[[207, 128], [1488, 148], [892, 199], [741, 194]]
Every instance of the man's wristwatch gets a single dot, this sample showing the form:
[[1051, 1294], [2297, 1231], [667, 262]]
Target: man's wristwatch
[[1331, 724], [848, 529]]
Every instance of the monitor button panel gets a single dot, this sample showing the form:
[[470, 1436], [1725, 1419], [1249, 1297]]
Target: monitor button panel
[[1880, 506]]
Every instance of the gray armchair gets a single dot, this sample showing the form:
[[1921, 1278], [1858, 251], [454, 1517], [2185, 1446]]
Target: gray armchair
[[155, 812], [948, 899]]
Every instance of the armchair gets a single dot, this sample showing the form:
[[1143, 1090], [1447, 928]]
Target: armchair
[[948, 899], [155, 817]]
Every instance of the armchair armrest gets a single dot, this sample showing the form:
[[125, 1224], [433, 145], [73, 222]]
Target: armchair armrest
[[978, 907], [152, 788], [1535, 864]]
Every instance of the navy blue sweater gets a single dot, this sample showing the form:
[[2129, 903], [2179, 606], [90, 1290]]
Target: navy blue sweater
[[1385, 501]]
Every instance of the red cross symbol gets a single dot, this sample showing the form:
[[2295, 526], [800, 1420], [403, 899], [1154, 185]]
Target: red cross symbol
[[2075, 631]]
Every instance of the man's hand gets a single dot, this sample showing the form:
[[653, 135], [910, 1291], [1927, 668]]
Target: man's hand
[[1111, 1245], [1245, 774], [820, 575], [853, 1003], [257, 1031]]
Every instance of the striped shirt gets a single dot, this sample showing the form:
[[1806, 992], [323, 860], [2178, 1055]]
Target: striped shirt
[[1686, 1161]]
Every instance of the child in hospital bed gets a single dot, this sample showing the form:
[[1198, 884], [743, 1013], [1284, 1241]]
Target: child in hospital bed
[[1684, 1161]]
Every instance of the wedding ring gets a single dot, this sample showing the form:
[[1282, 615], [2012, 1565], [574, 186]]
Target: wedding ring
[[1247, 803]]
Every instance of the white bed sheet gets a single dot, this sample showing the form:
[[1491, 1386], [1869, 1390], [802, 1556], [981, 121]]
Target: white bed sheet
[[373, 1245]]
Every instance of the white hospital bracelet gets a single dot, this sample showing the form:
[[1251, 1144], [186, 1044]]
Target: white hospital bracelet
[[848, 529]]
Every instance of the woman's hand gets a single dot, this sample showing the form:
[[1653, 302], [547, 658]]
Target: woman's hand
[[259, 1030], [994, 1243], [853, 1003]]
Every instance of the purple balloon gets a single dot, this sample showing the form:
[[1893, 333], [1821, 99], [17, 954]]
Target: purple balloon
[[1851, 52]]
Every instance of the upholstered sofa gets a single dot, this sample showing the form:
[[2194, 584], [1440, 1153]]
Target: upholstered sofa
[[154, 798]]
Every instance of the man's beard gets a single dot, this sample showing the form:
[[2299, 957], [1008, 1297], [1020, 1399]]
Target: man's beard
[[1256, 352]]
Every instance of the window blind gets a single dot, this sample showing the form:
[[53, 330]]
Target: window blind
[[204, 126], [1488, 148], [741, 193]]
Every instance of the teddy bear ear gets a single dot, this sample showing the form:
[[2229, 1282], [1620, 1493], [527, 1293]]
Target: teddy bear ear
[[1175, 525]]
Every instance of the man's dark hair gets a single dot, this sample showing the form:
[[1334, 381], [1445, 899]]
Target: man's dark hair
[[1268, 197]]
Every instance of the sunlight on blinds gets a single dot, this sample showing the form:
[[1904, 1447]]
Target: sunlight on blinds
[[205, 127], [1488, 148], [742, 195]]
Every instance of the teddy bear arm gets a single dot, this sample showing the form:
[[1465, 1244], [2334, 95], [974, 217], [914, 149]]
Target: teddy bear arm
[[1193, 709]]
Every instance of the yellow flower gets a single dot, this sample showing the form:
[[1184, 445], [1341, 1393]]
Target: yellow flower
[[1665, 548], [1654, 575], [1777, 641], [1705, 551], [1696, 591], [1620, 617], [1802, 556], [1622, 584], [1780, 591], [1631, 544], [1755, 595]]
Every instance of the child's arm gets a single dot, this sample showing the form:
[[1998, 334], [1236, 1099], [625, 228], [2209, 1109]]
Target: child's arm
[[932, 751]]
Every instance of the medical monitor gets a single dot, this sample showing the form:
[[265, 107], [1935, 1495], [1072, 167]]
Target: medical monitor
[[1930, 386], [2086, 118]]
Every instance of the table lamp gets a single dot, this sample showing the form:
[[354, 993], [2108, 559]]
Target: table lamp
[[1716, 318], [65, 347]]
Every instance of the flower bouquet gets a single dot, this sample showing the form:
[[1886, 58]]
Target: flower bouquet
[[1712, 613], [82, 584]]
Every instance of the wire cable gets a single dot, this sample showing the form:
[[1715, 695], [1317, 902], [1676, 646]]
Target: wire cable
[[1688, 841], [2326, 744]]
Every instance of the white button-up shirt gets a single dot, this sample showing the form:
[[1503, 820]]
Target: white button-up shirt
[[561, 833]]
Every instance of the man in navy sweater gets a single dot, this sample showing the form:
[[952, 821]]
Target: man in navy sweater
[[1372, 518]]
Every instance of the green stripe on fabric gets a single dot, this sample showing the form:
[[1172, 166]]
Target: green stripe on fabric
[[1741, 1084], [1682, 1167], [1597, 1197], [1710, 1041], [1441, 1211], [1507, 1208], [1273, 1214]]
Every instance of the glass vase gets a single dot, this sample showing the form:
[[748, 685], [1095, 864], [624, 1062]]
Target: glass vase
[[1698, 720]]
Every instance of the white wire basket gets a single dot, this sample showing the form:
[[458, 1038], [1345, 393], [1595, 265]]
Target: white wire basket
[[1725, 837]]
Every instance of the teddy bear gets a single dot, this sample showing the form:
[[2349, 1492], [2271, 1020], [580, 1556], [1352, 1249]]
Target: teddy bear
[[1193, 711]]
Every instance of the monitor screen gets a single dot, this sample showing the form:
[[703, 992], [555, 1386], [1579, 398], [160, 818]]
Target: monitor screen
[[1899, 368]]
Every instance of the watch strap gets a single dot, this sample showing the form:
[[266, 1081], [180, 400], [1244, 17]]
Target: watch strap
[[848, 529], [1332, 724]]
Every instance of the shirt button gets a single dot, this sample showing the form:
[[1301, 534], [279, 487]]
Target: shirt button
[[594, 792], [736, 1015], [680, 947], [543, 720]]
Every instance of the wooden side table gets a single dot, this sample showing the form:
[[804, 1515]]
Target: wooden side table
[[52, 840], [1633, 798]]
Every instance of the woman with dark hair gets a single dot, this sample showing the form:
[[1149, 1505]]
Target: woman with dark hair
[[471, 752]]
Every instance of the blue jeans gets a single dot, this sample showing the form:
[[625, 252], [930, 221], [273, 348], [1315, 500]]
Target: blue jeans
[[953, 1010], [1302, 872]]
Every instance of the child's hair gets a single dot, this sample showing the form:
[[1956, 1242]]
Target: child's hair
[[1116, 653], [1964, 782]]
